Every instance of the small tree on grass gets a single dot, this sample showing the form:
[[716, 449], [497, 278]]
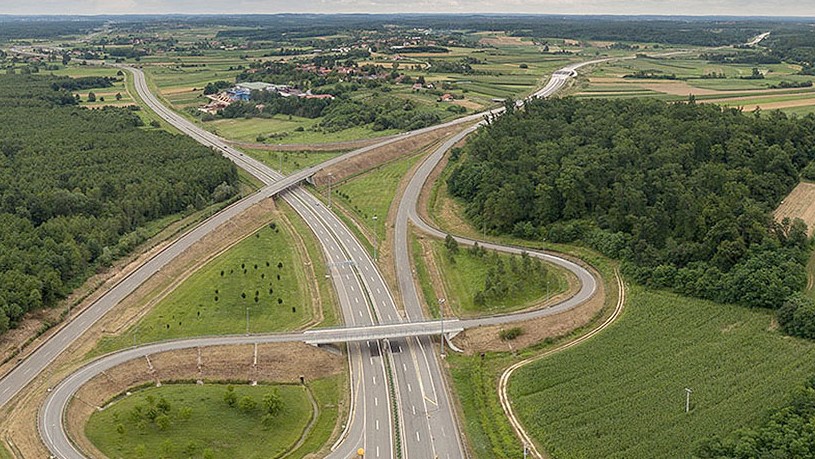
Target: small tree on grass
[[163, 422], [272, 402], [247, 404], [451, 245], [91, 97], [230, 397]]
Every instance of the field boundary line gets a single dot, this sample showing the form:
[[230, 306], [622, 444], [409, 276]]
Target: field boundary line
[[503, 382]]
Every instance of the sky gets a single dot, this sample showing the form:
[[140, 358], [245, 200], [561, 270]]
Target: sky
[[619, 7]]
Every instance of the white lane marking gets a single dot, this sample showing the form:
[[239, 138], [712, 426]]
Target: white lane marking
[[404, 367], [376, 401], [417, 437], [409, 388], [360, 312], [378, 290], [443, 433], [377, 452], [377, 424], [374, 378], [414, 409]]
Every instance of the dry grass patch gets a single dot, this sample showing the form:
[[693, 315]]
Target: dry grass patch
[[381, 155], [504, 40]]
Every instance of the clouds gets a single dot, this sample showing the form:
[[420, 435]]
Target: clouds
[[621, 7]]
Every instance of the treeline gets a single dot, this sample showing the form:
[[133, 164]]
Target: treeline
[[78, 84], [694, 31], [787, 433], [77, 187], [27, 27], [379, 113], [683, 193], [267, 104], [741, 57]]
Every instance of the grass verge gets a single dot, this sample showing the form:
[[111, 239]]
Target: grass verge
[[290, 161], [371, 193], [260, 274]]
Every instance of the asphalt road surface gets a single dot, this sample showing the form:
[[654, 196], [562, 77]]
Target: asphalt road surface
[[426, 422]]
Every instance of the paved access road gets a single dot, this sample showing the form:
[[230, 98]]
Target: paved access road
[[425, 417]]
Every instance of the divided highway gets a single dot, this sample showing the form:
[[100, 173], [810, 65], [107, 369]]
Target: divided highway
[[425, 417]]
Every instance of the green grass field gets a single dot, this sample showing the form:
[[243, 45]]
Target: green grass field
[[464, 277], [209, 303], [622, 394], [290, 160], [371, 193], [211, 428]]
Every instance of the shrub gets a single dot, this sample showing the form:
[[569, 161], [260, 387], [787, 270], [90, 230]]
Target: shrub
[[510, 333]]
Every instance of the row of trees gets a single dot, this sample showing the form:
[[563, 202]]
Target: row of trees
[[683, 193], [77, 188]]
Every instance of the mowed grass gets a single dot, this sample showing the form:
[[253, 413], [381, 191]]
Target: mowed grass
[[465, 277], [622, 394], [213, 428], [372, 193], [290, 161], [208, 303]]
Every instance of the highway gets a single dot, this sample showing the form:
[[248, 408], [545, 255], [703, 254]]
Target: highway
[[426, 422], [364, 297]]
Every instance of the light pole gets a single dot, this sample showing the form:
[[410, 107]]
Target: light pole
[[687, 399], [376, 239], [330, 178], [441, 318]]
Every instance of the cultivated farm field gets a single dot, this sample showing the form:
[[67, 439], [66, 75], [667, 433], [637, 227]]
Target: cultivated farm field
[[622, 394]]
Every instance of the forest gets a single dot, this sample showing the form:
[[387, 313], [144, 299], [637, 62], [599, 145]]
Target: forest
[[694, 31], [682, 192], [77, 187]]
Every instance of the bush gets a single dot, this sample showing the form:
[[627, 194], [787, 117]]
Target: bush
[[510, 333]]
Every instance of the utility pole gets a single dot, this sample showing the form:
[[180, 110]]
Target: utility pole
[[330, 179], [247, 321], [687, 399], [376, 239], [441, 317]]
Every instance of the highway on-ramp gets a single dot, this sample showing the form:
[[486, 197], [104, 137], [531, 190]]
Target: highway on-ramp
[[425, 416]]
